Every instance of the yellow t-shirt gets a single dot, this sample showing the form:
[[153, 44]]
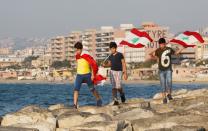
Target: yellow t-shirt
[[83, 67]]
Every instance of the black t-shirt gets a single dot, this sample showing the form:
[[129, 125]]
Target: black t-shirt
[[164, 56], [115, 60]]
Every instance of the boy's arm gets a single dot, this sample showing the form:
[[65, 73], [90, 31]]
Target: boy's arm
[[124, 68], [107, 64], [92, 74], [153, 55], [179, 51]]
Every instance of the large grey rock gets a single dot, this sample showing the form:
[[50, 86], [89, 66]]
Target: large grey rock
[[105, 126], [16, 129], [180, 128], [109, 110], [70, 119], [98, 118], [59, 112], [31, 117], [169, 121], [184, 93], [56, 107], [134, 114]]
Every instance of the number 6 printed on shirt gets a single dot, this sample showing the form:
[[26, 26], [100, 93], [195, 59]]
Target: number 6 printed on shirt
[[165, 59]]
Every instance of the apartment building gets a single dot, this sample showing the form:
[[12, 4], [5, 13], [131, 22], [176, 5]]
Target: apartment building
[[89, 41], [103, 38], [202, 49], [6, 61], [57, 48], [69, 42], [5, 51]]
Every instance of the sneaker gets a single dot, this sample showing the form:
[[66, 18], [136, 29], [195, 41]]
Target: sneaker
[[75, 106], [99, 102], [165, 101], [116, 102], [169, 97], [123, 98]]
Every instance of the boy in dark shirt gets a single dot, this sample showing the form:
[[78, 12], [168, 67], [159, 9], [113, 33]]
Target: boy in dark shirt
[[163, 56], [118, 69]]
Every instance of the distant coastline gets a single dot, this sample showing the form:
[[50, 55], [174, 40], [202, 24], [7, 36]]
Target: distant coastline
[[71, 82]]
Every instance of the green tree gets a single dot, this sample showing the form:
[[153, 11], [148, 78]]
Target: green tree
[[60, 64], [145, 64], [27, 63], [13, 67], [202, 62]]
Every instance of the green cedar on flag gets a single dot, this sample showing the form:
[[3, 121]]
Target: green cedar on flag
[[136, 39], [188, 39]]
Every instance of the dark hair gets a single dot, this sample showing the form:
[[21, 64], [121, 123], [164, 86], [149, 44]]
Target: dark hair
[[78, 45], [161, 41], [113, 45]]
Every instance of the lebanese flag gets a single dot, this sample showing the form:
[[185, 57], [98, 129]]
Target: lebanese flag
[[136, 39], [188, 39], [98, 79]]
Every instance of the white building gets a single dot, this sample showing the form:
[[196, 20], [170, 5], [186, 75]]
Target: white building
[[10, 60], [103, 38]]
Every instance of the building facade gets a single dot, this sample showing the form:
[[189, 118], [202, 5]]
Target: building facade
[[202, 50], [5, 51], [57, 48], [103, 38], [6, 61], [69, 42]]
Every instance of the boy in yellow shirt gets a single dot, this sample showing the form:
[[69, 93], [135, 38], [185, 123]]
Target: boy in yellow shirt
[[84, 74]]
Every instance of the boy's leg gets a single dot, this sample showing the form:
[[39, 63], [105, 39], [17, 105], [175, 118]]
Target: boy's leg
[[113, 82], [169, 84], [163, 85], [114, 93], [119, 86], [77, 86], [93, 90], [122, 95], [76, 94]]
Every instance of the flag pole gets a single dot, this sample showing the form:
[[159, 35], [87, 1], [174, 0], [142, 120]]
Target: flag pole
[[105, 59]]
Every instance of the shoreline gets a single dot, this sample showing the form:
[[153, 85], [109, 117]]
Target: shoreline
[[71, 82]]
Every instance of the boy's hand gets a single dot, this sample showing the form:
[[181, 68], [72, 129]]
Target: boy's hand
[[92, 77], [103, 64], [125, 77]]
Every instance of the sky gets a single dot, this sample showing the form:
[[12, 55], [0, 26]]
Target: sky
[[49, 18]]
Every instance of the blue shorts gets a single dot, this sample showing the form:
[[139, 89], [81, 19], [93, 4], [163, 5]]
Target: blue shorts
[[83, 78]]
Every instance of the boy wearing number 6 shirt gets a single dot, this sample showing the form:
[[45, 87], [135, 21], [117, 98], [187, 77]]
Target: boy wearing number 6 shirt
[[163, 55]]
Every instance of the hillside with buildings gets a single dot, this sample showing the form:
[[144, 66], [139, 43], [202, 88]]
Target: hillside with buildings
[[21, 43], [54, 58]]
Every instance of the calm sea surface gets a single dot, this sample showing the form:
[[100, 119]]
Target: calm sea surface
[[15, 96]]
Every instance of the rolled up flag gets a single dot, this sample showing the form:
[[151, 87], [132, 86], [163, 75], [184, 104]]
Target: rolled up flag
[[188, 39], [136, 39]]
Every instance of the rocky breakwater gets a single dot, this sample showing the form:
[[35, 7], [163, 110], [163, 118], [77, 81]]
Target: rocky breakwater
[[188, 111]]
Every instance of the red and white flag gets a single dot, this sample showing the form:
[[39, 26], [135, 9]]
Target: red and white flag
[[188, 39], [136, 39]]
